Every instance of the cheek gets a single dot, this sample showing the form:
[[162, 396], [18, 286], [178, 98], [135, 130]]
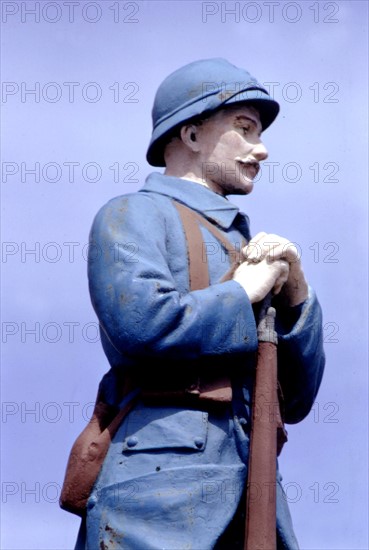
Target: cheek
[[231, 144], [235, 140]]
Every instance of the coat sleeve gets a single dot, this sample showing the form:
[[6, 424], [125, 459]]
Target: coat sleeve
[[301, 358], [135, 297]]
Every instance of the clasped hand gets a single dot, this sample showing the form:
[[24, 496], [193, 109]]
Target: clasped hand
[[272, 263]]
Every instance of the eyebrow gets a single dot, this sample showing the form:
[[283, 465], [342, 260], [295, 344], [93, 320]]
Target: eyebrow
[[257, 125]]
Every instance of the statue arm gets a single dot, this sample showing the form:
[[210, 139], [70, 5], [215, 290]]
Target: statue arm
[[301, 358], [136, 298]]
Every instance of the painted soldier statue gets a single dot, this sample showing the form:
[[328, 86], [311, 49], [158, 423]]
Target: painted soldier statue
[[182, 351]]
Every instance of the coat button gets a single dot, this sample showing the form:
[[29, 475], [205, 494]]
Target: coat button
[[91, 502], [131, 441], [199, 442]]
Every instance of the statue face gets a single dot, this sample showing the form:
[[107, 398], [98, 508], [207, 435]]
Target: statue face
[[230, 149]]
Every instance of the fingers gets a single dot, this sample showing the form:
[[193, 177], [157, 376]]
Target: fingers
[[259, 278], [253, 252], [272, 247], [284, 269], [284, 250], [258, 236]]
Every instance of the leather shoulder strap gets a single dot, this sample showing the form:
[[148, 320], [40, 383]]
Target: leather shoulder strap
[[197, 257]]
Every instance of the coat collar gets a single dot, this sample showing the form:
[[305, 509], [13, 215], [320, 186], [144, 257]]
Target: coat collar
[[196, 196]]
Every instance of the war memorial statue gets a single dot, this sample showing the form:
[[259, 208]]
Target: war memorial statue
[[178, 289]]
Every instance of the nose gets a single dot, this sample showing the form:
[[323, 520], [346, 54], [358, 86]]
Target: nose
[[259, 151]]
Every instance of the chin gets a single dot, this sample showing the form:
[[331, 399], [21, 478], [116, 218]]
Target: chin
[[238, 189]]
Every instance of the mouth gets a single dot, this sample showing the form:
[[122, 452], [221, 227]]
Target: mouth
[[249, 168]]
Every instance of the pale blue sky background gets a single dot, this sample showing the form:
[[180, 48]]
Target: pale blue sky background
[[316, 55]]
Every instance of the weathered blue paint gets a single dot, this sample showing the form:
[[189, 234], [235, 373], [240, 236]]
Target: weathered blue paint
[[173, 476]]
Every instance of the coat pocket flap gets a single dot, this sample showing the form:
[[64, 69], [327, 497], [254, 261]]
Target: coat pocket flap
[[165, 428]]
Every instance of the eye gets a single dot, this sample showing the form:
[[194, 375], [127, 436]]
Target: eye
[[246, 129]]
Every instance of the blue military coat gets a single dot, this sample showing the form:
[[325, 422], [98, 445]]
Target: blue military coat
[[174, 476]]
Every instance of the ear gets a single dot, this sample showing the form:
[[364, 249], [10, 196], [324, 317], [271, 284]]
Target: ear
[[189, 135]]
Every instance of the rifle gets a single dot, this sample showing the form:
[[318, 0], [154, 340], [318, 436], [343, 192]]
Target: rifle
[[260, 530]]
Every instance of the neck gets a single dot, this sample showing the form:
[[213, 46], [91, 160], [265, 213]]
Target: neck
[[186, 175], [192, 176]]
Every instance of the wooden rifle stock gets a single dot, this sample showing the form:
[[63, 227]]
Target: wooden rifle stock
[[260, 531]]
